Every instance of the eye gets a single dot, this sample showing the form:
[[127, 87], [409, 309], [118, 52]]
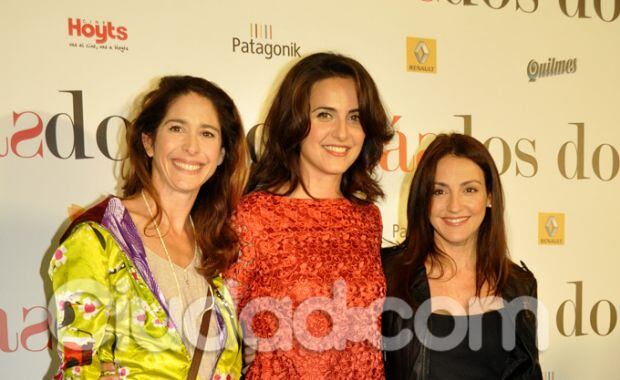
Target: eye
[[471, 189], [175, 128], [355, 117], [324, 115], [208, 134], [438, 192]]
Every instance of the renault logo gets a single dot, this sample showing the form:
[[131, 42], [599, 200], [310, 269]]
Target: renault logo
[[421, 55], [421, 52], [551, 226]]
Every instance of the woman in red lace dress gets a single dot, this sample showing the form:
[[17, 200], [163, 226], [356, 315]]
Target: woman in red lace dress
[[308, 277]]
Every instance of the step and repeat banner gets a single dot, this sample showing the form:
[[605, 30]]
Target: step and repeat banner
[[535, 80]]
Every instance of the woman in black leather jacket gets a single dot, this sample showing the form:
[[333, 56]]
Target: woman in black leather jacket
[[458, 307]]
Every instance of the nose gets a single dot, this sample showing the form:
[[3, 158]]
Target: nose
[[454, 202], [340, 131], [190, 144]]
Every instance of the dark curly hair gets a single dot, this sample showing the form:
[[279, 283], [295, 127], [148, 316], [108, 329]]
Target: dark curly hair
[[493, 262], [288, 123], [218, 197]]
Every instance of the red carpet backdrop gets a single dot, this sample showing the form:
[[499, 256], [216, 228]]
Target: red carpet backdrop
[[535, 80]]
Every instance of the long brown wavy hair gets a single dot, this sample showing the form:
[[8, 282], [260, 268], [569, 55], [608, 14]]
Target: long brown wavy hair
[[288, 123], [492, 263], [218, 197]]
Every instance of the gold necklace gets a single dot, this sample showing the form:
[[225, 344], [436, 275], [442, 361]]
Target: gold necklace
[[170, 264]]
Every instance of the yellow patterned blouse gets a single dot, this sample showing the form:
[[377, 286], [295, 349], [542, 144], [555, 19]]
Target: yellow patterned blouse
[[109, 308]]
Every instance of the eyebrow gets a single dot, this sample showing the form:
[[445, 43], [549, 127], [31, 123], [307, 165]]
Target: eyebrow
[[181, 121], [323, 108], [462, 184], [333, 109]]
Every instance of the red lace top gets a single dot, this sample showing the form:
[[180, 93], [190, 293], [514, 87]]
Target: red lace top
[[309, 285]]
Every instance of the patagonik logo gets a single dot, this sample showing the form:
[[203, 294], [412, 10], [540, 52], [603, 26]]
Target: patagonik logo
[[263, 42]]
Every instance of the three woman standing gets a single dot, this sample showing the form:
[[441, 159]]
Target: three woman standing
[[307, 278]]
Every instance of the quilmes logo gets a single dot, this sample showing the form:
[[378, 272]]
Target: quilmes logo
[[550, 68], [421, 55], [100, 31], [550, 228], [261, 43]]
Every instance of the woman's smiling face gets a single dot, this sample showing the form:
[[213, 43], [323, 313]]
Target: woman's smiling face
[[336, 136], [459, 202], [187, 147]]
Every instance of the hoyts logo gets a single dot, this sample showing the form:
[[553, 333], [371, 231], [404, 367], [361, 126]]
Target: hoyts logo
[[102, 31], [26, 141]]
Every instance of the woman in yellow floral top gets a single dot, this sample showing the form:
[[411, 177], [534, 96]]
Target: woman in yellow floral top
[[134, 276]]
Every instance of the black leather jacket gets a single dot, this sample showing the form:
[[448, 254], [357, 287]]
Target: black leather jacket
[[411, 362]]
